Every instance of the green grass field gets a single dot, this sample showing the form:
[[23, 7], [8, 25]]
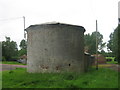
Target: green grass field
[[19, 78], [11, 62]]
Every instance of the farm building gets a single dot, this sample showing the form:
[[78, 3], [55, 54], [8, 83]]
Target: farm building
[[88, 60], [101, 58], [23, 59], [55, 47]]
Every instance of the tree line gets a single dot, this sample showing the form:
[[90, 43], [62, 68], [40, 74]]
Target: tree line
[[10, 50], [113, 45]]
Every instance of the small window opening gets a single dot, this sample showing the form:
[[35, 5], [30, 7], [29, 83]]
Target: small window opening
[[69, 64]]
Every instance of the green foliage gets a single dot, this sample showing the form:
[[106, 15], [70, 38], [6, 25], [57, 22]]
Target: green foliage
[[90, 42], [108, 54], [112, 60], [3, 58], [23, 46], [9, 49], [19, 78], [113, 43], [22, 52]]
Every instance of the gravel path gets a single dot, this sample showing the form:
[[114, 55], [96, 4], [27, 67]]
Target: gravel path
[[10, 67]]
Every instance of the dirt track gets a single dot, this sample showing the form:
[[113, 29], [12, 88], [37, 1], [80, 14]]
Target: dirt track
[[10, 67], [115, 67]]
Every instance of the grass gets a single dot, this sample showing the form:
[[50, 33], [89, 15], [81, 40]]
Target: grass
[[19, 78], [11, 62], [111, 62], [110, 58]]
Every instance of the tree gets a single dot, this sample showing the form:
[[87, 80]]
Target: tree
[[23, 46], [90, 42], [9, 49], [113, 43]]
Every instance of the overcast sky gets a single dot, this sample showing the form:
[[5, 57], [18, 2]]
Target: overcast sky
[[76, 12]]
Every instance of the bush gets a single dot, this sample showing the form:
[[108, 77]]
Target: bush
[[110, 58], [3, 58], [14, 59]]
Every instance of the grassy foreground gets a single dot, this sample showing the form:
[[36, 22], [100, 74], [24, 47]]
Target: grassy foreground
[[19, 78]]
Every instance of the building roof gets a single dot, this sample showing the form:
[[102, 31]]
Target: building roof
[[51, 24]]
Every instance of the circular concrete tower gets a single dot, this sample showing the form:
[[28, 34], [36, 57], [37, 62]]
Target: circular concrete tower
[[55, 47]]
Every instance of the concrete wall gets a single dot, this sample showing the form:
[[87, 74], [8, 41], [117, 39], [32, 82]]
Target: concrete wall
[[55, 48], [0, 51]]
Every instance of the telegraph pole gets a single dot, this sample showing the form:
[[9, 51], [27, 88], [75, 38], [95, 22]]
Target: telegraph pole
[[24, 27], [96, 46]]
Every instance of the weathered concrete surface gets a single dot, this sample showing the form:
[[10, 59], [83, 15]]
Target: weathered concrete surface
[[0, 51], [88, 61], [55, 48]]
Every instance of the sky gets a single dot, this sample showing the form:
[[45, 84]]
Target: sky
[[76, 12]]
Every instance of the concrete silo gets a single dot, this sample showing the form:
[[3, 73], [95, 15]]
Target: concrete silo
[[55, 47]]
